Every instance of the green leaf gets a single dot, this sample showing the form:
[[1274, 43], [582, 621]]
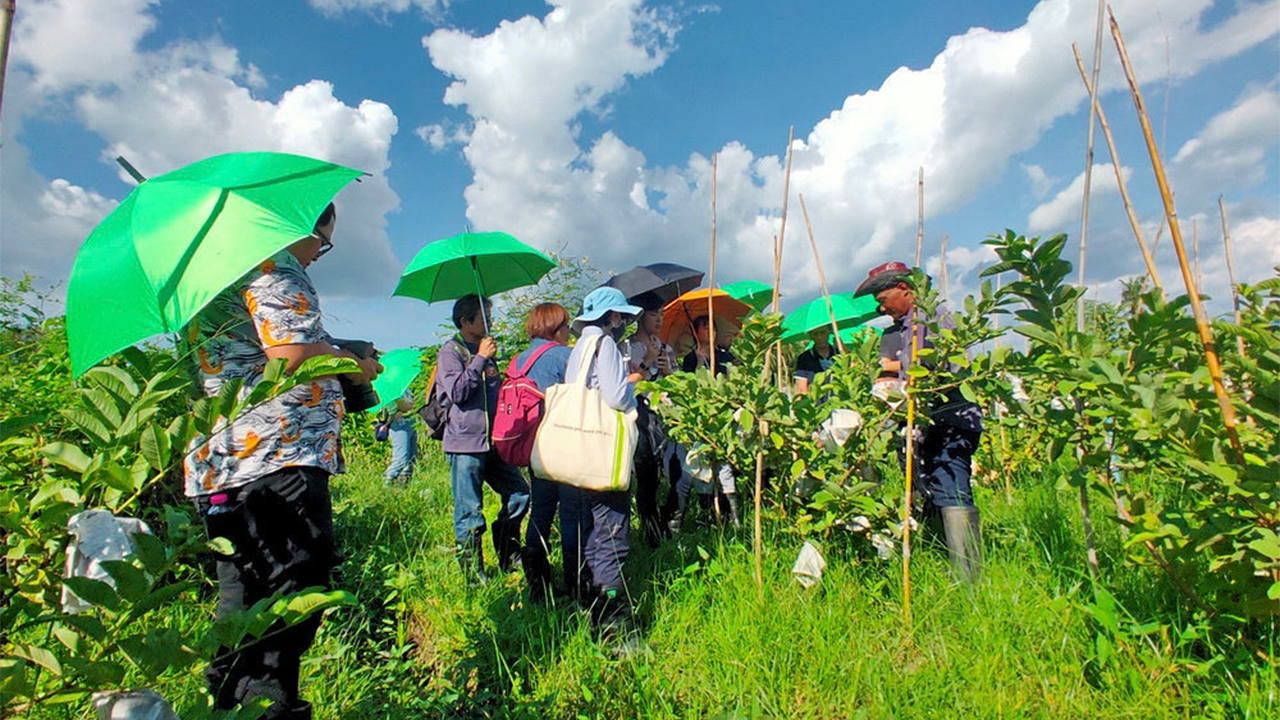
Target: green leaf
[[151, 552], [66, 455], [1268, 544], [115, 380], [39, 656], [131, 582], [94, 592]]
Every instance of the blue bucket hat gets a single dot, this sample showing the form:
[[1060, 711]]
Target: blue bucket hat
[[601, 301]]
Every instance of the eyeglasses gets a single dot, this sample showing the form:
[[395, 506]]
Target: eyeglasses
[[325, 246]]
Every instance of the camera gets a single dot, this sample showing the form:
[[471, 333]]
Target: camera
[[357, 397]]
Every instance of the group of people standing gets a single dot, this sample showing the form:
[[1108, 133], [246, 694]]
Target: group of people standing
[[262, 478]]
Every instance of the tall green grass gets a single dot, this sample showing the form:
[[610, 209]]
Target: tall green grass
[[1021, 644]]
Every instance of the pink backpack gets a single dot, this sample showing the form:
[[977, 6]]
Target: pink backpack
[[515, 424]]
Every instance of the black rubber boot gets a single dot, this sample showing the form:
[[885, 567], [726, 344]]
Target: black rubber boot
[[506, 545], [611, 617], [537, 572], [707, 506], [962, 527], [471, 562]]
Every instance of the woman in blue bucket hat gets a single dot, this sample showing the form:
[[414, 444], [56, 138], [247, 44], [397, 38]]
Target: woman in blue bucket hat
[[605, 312]]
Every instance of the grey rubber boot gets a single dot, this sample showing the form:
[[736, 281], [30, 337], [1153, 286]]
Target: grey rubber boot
[[734, 510], [962, 528]]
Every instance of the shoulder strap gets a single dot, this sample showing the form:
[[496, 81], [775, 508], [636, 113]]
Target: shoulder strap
[[589, 350], [533, 358]]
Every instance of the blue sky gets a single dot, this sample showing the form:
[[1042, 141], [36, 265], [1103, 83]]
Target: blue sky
[[588, 125]]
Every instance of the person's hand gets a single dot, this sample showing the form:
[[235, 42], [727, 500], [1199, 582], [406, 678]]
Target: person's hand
[[488, 348], [663, 363], [370, 369]]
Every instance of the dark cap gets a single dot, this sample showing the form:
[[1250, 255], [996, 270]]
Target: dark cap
[[883, 277]]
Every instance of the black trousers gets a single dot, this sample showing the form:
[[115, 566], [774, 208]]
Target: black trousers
[[648, 464], [282, 527]]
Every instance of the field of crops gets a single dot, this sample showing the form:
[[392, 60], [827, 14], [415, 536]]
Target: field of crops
[[1132, 563]]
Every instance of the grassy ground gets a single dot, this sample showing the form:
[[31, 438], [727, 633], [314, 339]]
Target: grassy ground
[[1020, 645]]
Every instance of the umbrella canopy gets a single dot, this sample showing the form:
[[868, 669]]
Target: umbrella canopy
[[181, 238], [400, 367], [848, 310], [480, 263], [679, 314], [752, 292], [666, 281], [856, 334]]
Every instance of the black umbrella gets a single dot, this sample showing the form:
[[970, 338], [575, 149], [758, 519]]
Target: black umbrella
[[663, 281]]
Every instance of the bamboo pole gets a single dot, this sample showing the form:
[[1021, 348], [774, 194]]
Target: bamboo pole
[[779, 242], [1175, 235], [919, 216], [1231, 274], [1088, 165], [1155, 244], [1120, 181], [910, 478], [1195, 250], [7, 11], [946, 284], [822, 276], [711, 275]]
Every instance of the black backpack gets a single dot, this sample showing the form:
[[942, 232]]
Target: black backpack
[[435, 413]]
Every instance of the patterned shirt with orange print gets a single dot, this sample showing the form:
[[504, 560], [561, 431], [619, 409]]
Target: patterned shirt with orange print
[[274, 304]]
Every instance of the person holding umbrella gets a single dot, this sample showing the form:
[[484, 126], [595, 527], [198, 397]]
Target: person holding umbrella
[[944, 446], [468, 378], [263, 480], [817, 359]]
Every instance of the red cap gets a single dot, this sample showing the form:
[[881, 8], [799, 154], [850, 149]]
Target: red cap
[[883, 277]]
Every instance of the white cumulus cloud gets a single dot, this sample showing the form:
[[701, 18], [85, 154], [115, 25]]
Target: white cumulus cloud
[[985, 98], [167, 107]]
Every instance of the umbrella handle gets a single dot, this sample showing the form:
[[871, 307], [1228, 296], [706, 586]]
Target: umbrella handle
[[475, 271]]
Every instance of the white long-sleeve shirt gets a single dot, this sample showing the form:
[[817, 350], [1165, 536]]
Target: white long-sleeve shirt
[[608, 371]]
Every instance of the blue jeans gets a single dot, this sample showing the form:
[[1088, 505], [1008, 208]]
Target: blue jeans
[[467, 472], [945, 466], [608, 543], [575, 524], [404, 450]]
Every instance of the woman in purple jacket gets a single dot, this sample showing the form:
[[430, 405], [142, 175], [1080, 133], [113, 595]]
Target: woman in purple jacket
[[467, 381]]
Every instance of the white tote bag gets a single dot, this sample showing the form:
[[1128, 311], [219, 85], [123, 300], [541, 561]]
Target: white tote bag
[[582, 441]]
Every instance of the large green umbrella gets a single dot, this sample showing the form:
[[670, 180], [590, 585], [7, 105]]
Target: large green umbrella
[[752, 292], [400, 367], [848, 311], [481, 263], [181, 238]]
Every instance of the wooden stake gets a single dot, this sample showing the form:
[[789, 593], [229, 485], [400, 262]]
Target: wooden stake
[[711, 275], [777, 254], [1175, 234], [910, 477], [1088, 165], [1231, 273], [920, 216], [1195, 250], [946, 284], [7, 11], [822, 276], [1120, 181]]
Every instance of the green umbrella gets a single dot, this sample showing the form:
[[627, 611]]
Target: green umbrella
[[856, 334], [848, 310], [752, 292], [481, 263], [400, 367], [181, 238]]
